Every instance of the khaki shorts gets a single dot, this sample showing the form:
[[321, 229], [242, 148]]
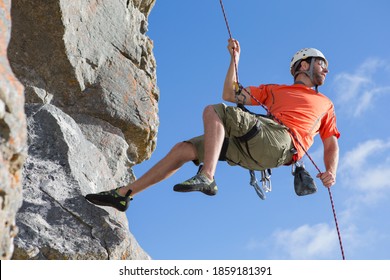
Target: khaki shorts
[[270, 147]]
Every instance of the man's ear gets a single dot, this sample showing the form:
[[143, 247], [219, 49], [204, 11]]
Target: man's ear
[[305, 65]]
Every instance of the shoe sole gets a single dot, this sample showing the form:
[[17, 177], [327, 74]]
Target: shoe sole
[[102, 203], [183, 188]]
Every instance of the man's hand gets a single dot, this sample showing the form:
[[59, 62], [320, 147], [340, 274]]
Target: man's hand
[[331, 159], [328, 178], [234, 49]]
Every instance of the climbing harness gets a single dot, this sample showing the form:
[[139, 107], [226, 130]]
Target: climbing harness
[[266, 179]]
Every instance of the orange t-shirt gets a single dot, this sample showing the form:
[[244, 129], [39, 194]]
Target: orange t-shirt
[[304, 111]]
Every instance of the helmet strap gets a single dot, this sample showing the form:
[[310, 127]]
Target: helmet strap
[[309, 73]]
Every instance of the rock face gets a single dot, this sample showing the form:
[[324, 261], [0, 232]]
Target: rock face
[[91, 103], [90, 57], [13, 138], [55, 221]]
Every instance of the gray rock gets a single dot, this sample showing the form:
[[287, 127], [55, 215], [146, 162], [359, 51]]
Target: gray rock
[[93, 58], [13, 140], [110, 141], [89, 79], [55, 220]]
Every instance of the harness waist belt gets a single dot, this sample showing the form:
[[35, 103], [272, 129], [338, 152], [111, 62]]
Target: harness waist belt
[[251, 133]]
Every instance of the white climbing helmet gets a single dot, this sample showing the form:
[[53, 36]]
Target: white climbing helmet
[[303, 54]]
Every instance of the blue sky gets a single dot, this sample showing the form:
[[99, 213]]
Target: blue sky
[[190, 41]]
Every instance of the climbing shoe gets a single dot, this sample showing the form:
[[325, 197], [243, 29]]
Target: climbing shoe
[[111, 198], [198, 183]]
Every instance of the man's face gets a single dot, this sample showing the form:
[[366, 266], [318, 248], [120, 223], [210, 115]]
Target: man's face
[[319, 71]]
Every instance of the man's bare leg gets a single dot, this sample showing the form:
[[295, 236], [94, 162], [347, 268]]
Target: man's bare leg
[[183, 152], [166, 167], [214, 134]]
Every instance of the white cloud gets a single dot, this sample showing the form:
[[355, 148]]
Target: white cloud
[[358, 157], [307, 242], [356, 92], [367, 167], [319, 241]]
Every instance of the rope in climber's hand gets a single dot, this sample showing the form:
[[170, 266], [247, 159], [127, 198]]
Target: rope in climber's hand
[[234, 49], [328, 178]]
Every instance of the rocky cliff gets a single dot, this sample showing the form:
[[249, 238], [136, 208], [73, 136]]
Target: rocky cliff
[[88, 71], [12, 140]]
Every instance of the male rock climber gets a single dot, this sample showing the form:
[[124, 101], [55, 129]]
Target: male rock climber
[[242, 138]]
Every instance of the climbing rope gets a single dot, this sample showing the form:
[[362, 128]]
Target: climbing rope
[[239, 88], [230, 36]]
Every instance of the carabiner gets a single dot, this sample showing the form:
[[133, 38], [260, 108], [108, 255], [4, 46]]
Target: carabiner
[[266, 180], [255, 185]]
